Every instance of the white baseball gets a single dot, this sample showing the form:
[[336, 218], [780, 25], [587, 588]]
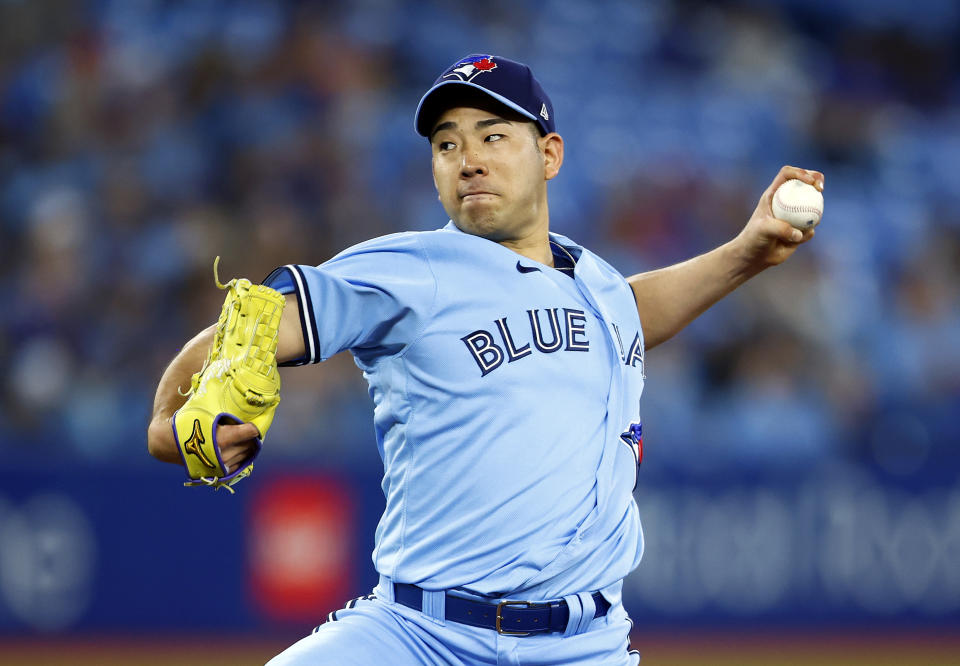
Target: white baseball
[[799, 204]]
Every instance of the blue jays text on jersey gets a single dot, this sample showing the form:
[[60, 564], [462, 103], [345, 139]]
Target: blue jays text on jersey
[[501, 392], [489, 355]]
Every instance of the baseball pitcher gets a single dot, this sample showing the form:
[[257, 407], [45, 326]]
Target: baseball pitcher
[[506, 365]]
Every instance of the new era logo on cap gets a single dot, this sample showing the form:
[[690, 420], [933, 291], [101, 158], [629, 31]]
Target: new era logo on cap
[[509, 82]]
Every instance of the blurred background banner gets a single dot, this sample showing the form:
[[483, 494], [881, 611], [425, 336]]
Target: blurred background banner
[[99, 552], [88, 550], [802, 468]]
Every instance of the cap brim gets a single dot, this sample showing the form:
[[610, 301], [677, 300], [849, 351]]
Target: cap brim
[[427, 110]]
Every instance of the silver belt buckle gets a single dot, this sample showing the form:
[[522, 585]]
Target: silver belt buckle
[[517, 604]]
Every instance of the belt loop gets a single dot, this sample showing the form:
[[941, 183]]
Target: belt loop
[[576, 612], [385, 589], [589, 611], [434, 605]]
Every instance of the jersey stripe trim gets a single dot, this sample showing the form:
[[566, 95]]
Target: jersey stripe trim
[[332, 616], [287, 280], [306, 313]]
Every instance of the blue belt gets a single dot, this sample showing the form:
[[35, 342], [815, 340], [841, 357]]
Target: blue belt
[[518, 618]]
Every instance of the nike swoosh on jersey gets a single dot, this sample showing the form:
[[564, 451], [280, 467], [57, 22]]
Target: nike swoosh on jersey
[[526, 269]]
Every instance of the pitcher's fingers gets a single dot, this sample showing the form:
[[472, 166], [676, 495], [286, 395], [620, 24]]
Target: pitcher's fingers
[[228, 435], [788, 233], [234, 456], [809, 176], [788, 172]]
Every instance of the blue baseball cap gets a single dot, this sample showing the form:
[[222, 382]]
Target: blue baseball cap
[[509, 82]]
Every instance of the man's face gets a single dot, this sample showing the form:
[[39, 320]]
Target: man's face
[[491, 171]]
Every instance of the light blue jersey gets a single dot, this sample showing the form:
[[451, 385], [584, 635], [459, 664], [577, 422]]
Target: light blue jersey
[[506, 408]]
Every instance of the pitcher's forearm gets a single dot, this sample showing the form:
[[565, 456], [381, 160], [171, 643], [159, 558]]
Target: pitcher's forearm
[[176, 378], [670, 298]]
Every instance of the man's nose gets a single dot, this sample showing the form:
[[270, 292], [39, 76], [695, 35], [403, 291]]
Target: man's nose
[[471, 164]]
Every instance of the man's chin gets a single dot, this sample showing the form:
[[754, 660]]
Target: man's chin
[[486, 226]]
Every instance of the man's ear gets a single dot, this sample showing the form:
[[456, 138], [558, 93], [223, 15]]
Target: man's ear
[[551, 146]]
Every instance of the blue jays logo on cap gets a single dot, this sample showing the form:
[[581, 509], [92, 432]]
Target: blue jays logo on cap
[[471, 66], [509, 82]]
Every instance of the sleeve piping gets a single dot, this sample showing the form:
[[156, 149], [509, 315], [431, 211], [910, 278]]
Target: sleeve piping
[[308, 327], [308, 320]]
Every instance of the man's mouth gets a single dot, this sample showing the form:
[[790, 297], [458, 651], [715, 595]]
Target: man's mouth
[[467, 196]]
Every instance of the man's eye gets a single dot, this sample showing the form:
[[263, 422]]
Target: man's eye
[[445, 145], [494, 137]]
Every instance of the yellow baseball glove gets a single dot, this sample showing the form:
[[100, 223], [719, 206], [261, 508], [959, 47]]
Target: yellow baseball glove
[[238, 382]]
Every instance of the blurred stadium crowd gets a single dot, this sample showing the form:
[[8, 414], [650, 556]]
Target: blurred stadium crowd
[[139, 139]]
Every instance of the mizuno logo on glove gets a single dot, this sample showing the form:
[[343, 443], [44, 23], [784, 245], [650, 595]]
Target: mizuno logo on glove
[[194, 445]]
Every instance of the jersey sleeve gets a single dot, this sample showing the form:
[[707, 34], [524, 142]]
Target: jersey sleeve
[[372, 298]]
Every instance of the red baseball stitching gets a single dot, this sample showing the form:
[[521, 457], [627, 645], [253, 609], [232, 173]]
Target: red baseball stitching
[[796, 209]]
